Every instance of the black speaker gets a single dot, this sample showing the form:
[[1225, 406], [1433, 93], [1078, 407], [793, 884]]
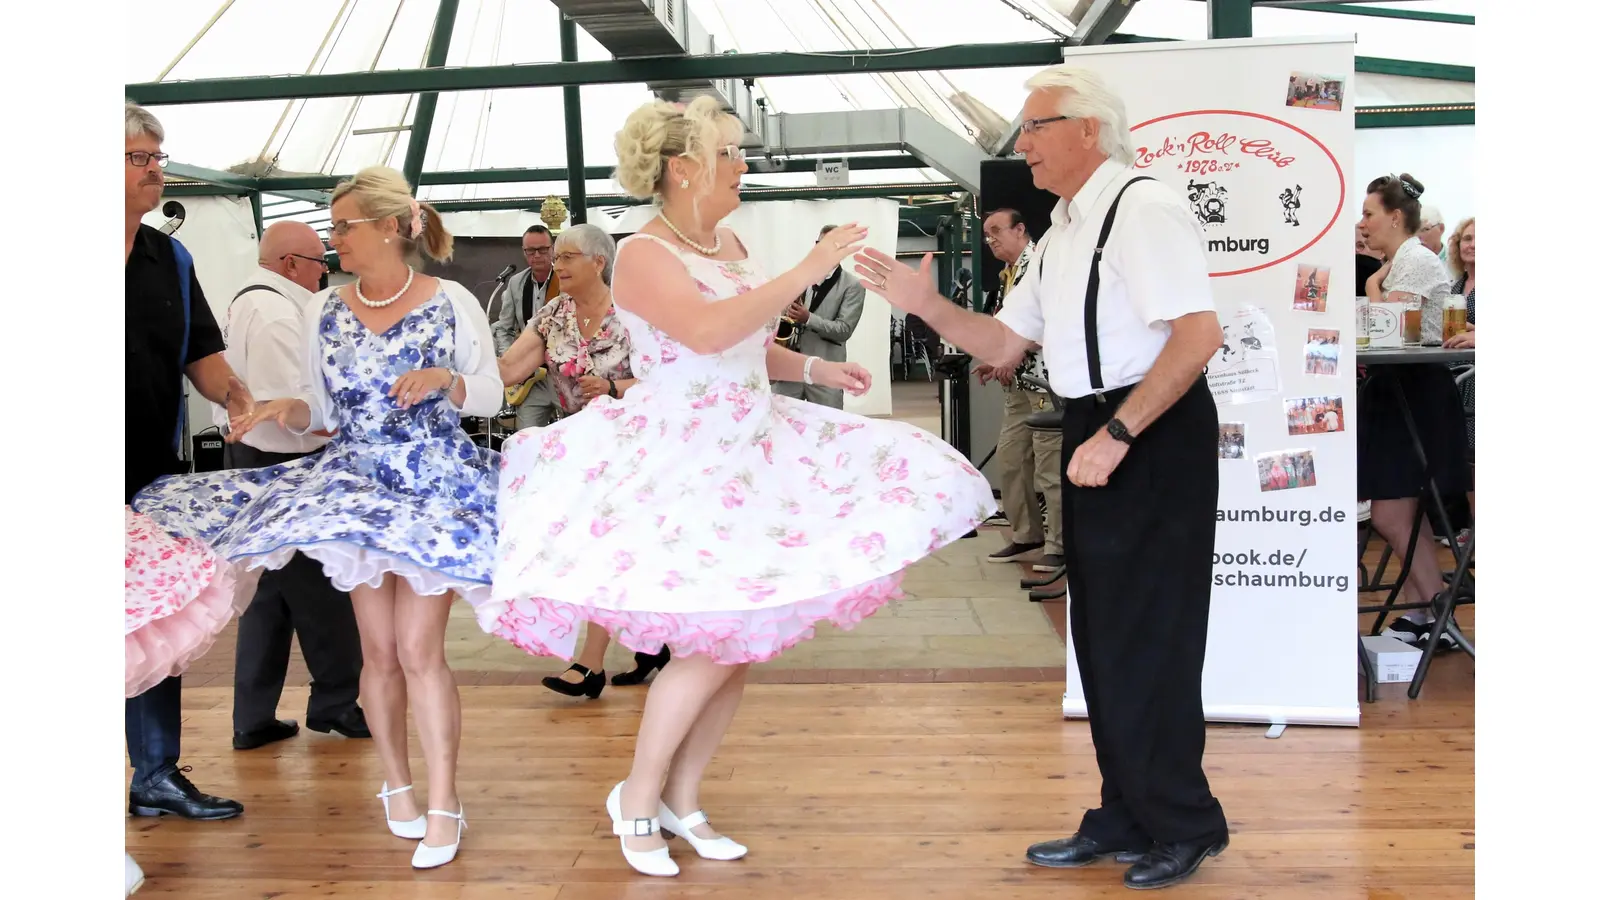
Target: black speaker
[[1008, 183], [207, 448]]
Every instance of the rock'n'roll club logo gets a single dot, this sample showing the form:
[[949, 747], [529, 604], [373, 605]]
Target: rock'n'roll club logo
[[1263, 190]]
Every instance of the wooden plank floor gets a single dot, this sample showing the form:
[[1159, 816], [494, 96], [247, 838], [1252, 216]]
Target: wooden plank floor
[[842, 791]]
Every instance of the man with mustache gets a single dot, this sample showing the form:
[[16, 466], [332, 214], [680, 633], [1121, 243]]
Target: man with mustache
[[171, 335]]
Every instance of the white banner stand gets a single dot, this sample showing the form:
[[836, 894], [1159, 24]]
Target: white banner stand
[[1259, 135]]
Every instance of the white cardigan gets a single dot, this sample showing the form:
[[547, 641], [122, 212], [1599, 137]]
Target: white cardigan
[[474, 359]]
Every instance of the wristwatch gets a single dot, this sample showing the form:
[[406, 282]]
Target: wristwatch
[[1117, 430], [612, 390]]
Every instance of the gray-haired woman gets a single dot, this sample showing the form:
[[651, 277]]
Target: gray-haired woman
[[578, 338]]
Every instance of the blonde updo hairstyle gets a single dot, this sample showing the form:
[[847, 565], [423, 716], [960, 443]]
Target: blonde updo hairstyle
[[658, 131], [383, 193]]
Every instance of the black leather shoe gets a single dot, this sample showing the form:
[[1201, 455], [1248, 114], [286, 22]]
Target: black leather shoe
[[644, 664], [279, 730], [173, 794], [1075, 851], [592, 684], [353, 724], [1168, 864]]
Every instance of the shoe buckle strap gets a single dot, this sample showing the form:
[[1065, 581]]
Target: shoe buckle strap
[[636, 827], [386, 794], [458, 816], [698, 817]]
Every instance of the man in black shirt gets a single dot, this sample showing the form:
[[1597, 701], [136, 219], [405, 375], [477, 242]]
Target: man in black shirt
[[166, 341]]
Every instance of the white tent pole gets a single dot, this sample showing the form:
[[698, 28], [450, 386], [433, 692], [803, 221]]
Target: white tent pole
[[195, 40]]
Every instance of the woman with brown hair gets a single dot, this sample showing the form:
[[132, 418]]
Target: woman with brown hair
[[1388, 471], [400, 507]]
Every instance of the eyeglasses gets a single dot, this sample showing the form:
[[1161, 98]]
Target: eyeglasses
[[733, 152], [310, 259], [536, 251], [343, 228], [568, 256], [141, 158], [1029, 126]]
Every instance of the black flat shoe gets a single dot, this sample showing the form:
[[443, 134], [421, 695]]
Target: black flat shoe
[[592, 684], [1168, 864], [1077, 850], [279, 730], [353, 724], [644, 665], [173, 794]]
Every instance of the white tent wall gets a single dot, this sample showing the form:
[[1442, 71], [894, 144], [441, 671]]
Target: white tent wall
[[1442, 158], [779, 233], [220, 233]]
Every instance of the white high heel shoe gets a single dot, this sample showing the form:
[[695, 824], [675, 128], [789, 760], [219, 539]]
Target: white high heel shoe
[[645, 862], [412, 830], [720, 848], [433, 857], [133, 876]]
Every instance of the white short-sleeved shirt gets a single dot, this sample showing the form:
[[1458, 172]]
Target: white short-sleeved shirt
[[1416, 270], [263, 334], [1154, 270]]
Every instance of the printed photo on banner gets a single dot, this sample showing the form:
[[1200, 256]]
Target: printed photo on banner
[[1314, 415], [1245, 368], [1315, 92], [1322, 351], [1311, 288], [1286, 470], [1230, 440]]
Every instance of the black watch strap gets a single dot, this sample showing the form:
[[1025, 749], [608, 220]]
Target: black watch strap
[[1116, 429]]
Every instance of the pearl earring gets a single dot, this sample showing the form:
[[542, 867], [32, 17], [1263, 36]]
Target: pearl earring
[[386, 240]]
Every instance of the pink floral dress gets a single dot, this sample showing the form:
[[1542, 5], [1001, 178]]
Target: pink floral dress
[[705, 513], [179, 597], [570, 356]]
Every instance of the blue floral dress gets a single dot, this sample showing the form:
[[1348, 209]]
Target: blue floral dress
[[397, 490]]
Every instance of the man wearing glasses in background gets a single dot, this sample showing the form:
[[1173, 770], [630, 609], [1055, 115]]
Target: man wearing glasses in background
[[266, 346], [525, 294]]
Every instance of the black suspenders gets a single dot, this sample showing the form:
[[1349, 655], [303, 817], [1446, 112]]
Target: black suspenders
[[1091, 297]]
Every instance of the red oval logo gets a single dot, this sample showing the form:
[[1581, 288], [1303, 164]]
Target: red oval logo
[[1255, 184]]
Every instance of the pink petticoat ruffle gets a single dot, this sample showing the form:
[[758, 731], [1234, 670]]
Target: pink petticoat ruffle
[[166, 646], [548, 627]]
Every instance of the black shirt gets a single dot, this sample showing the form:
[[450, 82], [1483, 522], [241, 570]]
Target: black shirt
[[154, 334], [1366, 267]]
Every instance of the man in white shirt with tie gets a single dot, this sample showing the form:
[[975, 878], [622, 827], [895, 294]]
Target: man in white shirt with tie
[[1126, 334], [266, 346]]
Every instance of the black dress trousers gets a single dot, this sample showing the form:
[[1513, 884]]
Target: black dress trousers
[[1138, 559]]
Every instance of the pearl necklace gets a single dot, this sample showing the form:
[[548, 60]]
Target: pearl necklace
[[702, 249], [410, 274]]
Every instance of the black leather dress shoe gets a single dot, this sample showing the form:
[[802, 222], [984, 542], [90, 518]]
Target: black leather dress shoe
[[173, 794], [1075, 851], [279, 730], [353, 724], [1168, 864]]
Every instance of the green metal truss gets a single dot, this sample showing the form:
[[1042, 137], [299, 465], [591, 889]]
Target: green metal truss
[[1424, 116], [1382, 12], [637, 70]]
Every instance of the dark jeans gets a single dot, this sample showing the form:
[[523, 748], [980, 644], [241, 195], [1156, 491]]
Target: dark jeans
[[154, 724]]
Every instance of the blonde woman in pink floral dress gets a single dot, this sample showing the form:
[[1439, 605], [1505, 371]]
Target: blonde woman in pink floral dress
[[701, 512]]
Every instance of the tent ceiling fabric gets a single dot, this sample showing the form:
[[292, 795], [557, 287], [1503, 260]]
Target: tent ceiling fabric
[[524, 128]]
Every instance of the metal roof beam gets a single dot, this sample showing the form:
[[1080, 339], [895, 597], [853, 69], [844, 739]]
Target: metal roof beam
[[1416, 116], [444, 26], [638, 70], [890, 191], [910, 130], [1351, 9]]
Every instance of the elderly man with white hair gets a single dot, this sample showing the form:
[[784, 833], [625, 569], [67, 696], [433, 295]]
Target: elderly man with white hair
[[1118, 299], [1431, 234]]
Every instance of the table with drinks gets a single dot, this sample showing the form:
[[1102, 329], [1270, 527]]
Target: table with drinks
[[1412, 330]]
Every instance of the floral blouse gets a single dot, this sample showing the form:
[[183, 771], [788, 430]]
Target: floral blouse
[[570, 356]]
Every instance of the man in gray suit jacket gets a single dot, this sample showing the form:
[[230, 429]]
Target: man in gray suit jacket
[[824, 318], [525, 293]]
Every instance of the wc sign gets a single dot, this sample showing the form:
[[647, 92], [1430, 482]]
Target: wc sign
[[833, 173]]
